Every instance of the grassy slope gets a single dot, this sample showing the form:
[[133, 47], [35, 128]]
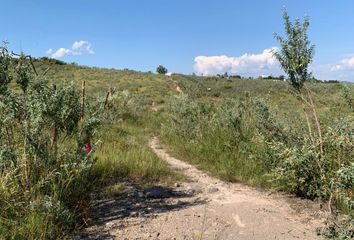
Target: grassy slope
[[124, 152], [98, 80], [158, 88], [327, 97], [138, 161], [210, 154]]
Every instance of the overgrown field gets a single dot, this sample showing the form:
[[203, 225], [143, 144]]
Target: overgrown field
[[151, 86], [249, 130], [58, 143], [257, 132]]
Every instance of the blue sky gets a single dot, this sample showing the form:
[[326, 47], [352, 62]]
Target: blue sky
[[202, 36]]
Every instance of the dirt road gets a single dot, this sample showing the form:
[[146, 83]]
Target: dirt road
[[204, 208]]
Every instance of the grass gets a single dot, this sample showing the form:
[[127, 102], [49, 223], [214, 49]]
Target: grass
[[121, 139], [258, 135], [124, 153], [205, 137], [327, 96], [207, 141], [153, 87], [212, 158], [45, 185], [159, 89]]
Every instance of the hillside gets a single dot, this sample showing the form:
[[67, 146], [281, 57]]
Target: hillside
[[176, 120], [152, 86], [159, 88], [252, 134]]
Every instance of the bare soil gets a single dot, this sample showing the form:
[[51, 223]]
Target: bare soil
[[203, 208]]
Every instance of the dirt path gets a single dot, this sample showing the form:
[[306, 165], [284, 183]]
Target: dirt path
[[203, 208], [156, 107], [176, 87]]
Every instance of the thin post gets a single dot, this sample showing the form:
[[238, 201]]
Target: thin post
[[106, 99]]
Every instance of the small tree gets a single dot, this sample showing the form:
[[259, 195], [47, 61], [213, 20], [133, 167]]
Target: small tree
[[161, 70], [296, 51], [295, 56]]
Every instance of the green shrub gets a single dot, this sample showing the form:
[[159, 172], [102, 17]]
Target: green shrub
[[343, 229], [220, 138], [44, 169], [161, 69], [247, 140]]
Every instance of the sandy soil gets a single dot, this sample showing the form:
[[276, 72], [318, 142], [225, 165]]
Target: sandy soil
[[203, 208], [176, 87]]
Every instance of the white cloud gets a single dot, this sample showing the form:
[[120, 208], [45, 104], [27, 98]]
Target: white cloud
[[345, 64], [49, 51], [82, 46], [247, 64], [78, 48], [61, 52], [343, 70], [265, 64]]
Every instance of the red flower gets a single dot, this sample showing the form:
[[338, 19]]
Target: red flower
[[88, 147]]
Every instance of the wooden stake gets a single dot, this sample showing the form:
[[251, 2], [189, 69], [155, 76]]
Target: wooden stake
[[106, 100]]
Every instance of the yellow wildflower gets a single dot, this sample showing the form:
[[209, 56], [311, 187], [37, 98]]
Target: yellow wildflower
[[350, 193]]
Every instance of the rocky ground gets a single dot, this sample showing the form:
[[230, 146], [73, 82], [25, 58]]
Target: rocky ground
[[203, 208]]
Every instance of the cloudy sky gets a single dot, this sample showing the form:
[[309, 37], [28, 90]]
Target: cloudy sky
[[202, 36]]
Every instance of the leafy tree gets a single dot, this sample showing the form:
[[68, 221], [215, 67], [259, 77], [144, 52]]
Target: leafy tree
[[296, 51], [295, 56], [161, 70]]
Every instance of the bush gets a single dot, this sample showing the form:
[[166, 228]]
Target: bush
[[218, 137], [128, 105], [246, 140], [161, 70], [44, 168]]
